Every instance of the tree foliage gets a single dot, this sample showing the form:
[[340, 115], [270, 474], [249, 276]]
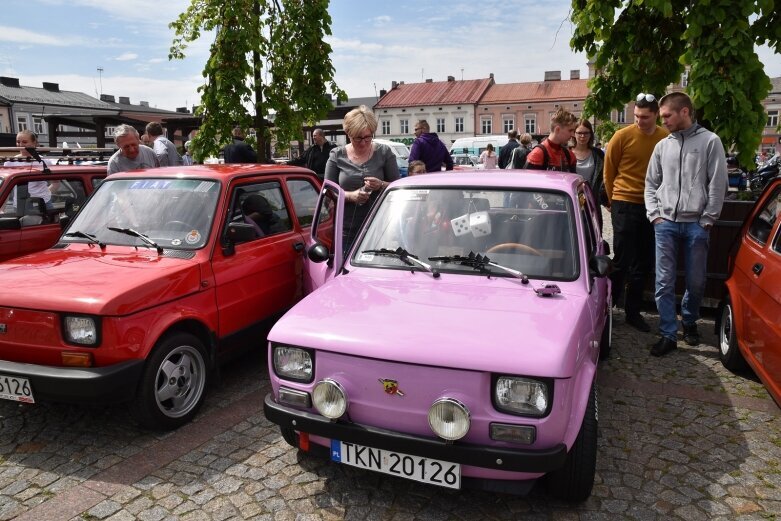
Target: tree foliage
[[268, 57], [645, 45]]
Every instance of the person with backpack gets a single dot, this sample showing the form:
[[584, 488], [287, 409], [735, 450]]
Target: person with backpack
[[552, 154], [519, 153], [507, 150]]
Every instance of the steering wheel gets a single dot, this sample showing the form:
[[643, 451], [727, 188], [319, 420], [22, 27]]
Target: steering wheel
[[507, 247], [177, 226]]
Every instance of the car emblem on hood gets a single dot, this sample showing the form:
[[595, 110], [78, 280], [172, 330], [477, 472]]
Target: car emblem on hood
[[391, 386]]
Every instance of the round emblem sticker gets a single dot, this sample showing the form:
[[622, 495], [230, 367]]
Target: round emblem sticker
[[176, 242], [193, 237]]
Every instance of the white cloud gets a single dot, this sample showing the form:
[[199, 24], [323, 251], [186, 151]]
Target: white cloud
[[381, 20], [25, 37], [127, 56]]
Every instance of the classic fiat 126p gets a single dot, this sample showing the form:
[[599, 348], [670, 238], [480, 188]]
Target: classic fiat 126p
[[457, 342]]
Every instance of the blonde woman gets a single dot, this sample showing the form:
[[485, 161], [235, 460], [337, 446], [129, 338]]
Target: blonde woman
[[362, 168]]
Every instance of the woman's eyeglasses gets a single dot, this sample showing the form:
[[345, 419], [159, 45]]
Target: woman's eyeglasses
[[650, 98], [586, 133], [362, 139]]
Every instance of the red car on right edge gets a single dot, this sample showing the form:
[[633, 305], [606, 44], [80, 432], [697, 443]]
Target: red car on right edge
[[749, 326]]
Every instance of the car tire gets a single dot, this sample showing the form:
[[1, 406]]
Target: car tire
[[172, 387], [606, 342], [729, 352], [290, 436], [574, 481]]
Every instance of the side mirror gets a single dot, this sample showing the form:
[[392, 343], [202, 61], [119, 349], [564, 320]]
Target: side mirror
[[10, 223], [318, 253], [600, 266], [238, 232]]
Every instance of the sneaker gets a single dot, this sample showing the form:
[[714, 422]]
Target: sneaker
[[638, 322], [663, 346], [690, 334]]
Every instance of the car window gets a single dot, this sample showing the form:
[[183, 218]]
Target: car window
[[526, 231], [763, 222], [43, 202], [261, 205], [304, 196]]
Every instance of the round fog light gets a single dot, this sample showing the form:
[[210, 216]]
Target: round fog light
[[330, 399], [449, 419]]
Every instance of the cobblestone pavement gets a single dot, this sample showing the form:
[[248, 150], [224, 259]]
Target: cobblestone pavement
[[680, 438]]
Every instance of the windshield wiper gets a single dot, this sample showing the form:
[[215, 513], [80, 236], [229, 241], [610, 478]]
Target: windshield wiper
[[84, 235], [406, 257], [480, 263], [134, 233]]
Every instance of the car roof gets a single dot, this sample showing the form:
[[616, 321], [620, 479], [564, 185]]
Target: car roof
[[221, 172], [489, 179], [7, 172]]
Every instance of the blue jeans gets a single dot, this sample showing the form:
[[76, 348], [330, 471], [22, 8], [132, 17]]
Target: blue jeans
[[694, 239]]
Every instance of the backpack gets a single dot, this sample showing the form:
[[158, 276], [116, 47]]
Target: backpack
[[546, 159], [518, 158]]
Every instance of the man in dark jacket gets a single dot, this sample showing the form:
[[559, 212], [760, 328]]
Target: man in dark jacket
[[239, 151], [507, 150], [428, 148], [316, 156]]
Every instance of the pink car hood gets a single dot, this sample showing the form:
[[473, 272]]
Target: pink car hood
[[119, 282], [461, 321]]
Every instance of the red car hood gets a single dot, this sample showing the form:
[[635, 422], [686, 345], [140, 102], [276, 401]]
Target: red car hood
[[116, 282], [495, 325]]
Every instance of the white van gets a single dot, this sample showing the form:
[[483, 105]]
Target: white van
[[401, 152], [474, 145]]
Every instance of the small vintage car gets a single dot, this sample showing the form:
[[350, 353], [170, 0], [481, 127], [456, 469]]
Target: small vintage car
[[160, 274], [749, 325], [457, 344], [27, 222]]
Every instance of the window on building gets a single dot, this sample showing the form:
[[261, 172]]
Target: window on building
[[3, 128], [21, 123], [110, 131], [508, 123], [530, 123], [404, 126], [440, 124], [772, 118], [685, 79], [459, 124], [386, 127], [621, 115], [38, 125], [485, 125]]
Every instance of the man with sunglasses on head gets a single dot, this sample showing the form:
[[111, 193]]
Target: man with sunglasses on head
[[626, 162], [428, 148], [684, 192]]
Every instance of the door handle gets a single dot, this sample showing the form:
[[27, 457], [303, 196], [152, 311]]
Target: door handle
[[757, 268], [298, 246]]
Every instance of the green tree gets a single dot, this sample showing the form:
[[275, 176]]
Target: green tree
[[268, 57], [644, 46]]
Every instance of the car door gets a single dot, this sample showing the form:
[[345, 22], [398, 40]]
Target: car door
[[326, 232], [758, 277], [262, 276]]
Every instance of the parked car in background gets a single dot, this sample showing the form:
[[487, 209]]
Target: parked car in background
[[401, 152], [27, 223], [157, 278], [749, 328], [457, 344], [466, 162], [474, 145]]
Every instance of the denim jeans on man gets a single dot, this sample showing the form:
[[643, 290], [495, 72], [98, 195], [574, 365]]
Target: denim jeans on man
[[633, 253], [694, 239]]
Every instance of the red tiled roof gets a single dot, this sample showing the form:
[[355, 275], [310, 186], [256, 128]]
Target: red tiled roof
[[536, 91], [435, 93]]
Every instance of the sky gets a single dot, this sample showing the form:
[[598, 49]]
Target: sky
[[121, 47]]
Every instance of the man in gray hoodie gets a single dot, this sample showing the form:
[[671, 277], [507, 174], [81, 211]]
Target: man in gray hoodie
[[684, 192]]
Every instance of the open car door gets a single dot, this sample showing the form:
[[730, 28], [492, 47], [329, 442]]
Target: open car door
[[325, 256]]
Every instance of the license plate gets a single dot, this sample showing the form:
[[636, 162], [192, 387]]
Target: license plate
[[16, 389], [416, 468]]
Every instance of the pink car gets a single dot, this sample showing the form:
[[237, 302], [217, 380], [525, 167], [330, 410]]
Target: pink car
[[457, 343]]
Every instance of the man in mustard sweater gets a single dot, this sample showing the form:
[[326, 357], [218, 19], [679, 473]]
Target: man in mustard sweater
[[626, 163]]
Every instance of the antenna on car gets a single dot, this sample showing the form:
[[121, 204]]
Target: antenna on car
[[37, 157]]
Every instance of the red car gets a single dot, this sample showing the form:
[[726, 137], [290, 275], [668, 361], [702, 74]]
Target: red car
[[750, 321], [34, 224], [157, 276]]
